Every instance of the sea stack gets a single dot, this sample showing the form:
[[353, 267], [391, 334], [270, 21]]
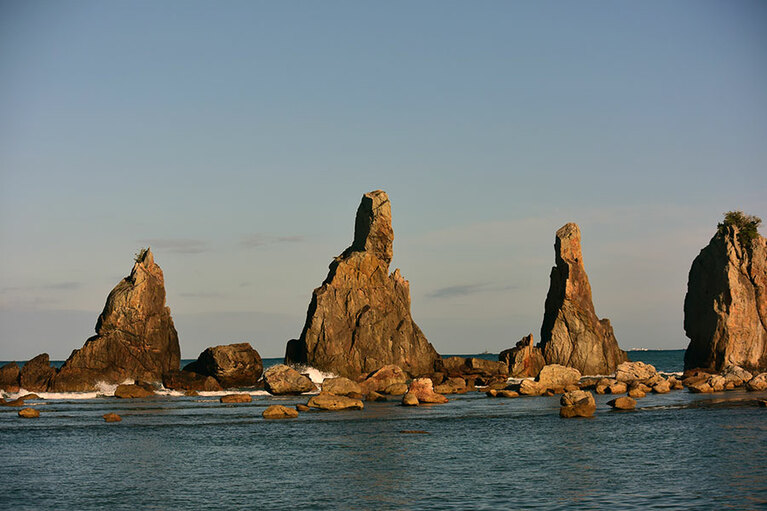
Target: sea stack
[[359, 318], [571, 334], [725, 309], [135, 337]]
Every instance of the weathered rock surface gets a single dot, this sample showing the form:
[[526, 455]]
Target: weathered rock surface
[[135, 337], [629, 372], [359, 319], [571, 334], [396, 389], [132, 392], [111, 417], [725, 309], [29, 413], [423, 390], [383, 378], [279, 412], [555, 376], [579, 403], [757, 383], [37, 374], [531, 388], [341, 386], [9, 377], [409, 400], [187, 380], [282, 379], [236, 398], [325, 401], [623, 403], [524, 360], [233, 365], [736, 375]]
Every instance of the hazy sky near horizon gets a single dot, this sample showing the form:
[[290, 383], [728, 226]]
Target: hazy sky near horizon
[[236, 138]]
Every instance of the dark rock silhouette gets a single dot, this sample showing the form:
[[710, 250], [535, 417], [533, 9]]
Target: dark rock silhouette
[[725, 309], [9, 377], [571, 334], [135, 337], [37, 374], [233, 365], [359, 319]]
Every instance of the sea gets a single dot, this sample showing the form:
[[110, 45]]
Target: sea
[[675, 451]]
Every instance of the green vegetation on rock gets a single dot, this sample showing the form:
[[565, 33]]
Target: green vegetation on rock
[[747, 225]]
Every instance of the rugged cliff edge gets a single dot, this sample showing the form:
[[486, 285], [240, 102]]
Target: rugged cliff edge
[[359, 319], [135, 337], [725, 309], [571, 334]]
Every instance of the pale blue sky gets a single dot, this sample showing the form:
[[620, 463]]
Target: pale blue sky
[[237, 137]]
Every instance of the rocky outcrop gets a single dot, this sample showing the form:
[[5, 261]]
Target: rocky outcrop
[[281, 379], [36, 375], [233, 365], [135, 337], [9, 377], [725, 309], [571, 334], [524, 360], [359, 319]]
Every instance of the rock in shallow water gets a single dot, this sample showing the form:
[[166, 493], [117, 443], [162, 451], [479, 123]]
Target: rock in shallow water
[[279, 412], [112, 417], [579, 403], [282, 379], [132, 391], [623, 403], [29, 413], [325, 401], [232, 365], [423, 390], [236, 398]]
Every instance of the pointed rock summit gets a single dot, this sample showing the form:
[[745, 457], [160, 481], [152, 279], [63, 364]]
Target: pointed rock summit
[[725, 309], [135, 337], [359, 319], [571, 334]]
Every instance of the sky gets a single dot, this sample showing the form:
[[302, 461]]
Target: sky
[[236, 139]]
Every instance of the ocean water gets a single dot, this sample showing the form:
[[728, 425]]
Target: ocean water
[[676, 451]]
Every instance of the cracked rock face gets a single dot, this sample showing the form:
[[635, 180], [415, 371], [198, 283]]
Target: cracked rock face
[[135, 337], [359, 319], [725, 309], [572, 335]]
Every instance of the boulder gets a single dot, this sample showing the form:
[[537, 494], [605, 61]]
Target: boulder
[[617, 388], [629, 372], [554, 376], [187, 380], [736, 375], [484, 367], [396, 389], [663, 387], [132, 391], [571, 334], [341, 386], [375, 396], [603, 386], [623, 403], [359, 318], [717, 382], [325, 401], [409, 400], [700, 388], [524, 360], [13, 402], [233, 365], [579, 403], [531, 388], [725, 309], [135, 337], [9, 377], [29, 413], [637, 393], [279, 412], [506, 393], [281, 379], [454, 366], [236, 398], [36, 375], [453, 385], [757, 383], [111, 417], [302, 408], [423, 390], [381, 379]]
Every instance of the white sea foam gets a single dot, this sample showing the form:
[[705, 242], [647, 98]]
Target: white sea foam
[[314, 374]]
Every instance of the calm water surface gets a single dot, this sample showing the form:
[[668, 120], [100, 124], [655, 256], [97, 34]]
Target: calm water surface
[[677, 451]]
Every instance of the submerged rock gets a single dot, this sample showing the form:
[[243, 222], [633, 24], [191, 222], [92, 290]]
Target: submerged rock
[[232, 365], [29, 413], [571, 334], [524, 360], [725, 309], [279, 412], [282, 379], [135, 337], [112, 417], [359, 319], [37, 374]]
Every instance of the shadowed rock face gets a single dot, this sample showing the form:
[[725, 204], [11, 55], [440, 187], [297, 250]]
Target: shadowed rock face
[[571, 334], [524, 360], [725, 309], [233, 365], [135, 337], [359, 319]]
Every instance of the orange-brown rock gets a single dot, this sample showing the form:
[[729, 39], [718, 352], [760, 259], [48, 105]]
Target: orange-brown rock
[[9, 377], [325, 401], [282, 379], [135, 337], [189, 381], [132, 391], [571, 334], [340, 386], [423, 390], [232, 365], [725, 309], [524, 360], [579, 403], [359, 319], [236, 398], [623, 403], [111, 417], [29, 413], [279, 412], [37, 374], [382, 379]]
